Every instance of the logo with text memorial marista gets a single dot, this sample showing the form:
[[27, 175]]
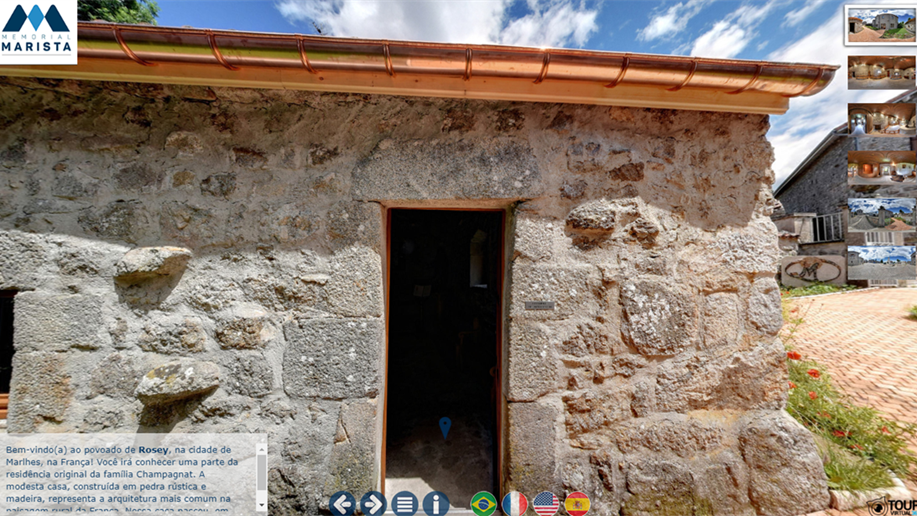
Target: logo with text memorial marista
[[38, 33]]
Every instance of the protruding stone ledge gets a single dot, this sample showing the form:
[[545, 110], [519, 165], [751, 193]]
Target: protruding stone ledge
[[597, 215], [177, 380], [145, 263]]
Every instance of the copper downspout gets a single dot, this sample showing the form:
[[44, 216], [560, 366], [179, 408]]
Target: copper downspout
[[359, 55]]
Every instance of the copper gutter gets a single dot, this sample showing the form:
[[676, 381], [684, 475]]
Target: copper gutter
[[520, 73]]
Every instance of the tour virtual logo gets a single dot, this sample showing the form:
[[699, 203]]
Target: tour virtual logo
[[38, 33], [886, 507]]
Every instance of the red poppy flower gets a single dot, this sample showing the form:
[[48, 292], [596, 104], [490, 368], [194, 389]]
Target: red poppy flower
[[793, 355], [824, 415], [856, 447], [885, 430], [812, 395], [792, 385], [814, 373], [841, 433]]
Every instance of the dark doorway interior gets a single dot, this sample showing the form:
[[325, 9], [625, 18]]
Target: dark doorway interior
[[443, 352], [6, 348]]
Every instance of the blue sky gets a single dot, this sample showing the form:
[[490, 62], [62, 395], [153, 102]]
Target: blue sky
[[890, 253], [868, 15], [778, 30], [871, 206]]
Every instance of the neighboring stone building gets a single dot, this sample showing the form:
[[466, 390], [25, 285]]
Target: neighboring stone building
[[911, 25], [814, 196], [885, 21], [854, 25], [286, 244]]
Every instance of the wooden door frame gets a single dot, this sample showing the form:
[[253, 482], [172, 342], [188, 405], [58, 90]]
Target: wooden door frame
[[501, 328]]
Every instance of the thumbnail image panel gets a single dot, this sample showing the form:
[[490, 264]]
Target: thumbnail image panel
[[880, 73], [885, 262], [882, 214], [865, 168], [879, 25], [881, 120]]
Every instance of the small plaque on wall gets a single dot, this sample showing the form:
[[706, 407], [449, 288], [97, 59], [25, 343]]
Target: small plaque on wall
[[539, 305]]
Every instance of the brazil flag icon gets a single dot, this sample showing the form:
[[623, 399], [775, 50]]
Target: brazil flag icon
[[483, 504]]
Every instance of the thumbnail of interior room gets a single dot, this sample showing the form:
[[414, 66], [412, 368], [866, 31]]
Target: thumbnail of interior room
[[880, 167], [880, 72], [881, 120]]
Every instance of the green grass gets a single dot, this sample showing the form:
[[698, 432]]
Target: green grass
[[901, 33], [849, 472], [862, 431], [912, 313], [813, 290], [859, 445]]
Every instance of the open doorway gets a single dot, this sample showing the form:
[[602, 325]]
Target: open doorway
[[6, 348], [445, 291]]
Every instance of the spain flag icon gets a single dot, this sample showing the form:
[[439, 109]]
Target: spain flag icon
[[576, 504]]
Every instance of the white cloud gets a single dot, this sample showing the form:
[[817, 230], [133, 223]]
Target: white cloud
[[898, 204], [551, 27], [884, 253], [809, 119], [869, 15], [724, 40], [551, 23], [674, 20], [794, 18], [729, 36]]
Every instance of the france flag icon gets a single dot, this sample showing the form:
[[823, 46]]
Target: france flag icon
[[514, 504]]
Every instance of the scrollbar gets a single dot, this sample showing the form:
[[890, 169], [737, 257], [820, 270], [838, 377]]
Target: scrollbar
[[261, 478]]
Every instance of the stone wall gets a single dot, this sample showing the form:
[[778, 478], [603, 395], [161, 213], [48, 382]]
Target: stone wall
[[820, 188], [656, 386]]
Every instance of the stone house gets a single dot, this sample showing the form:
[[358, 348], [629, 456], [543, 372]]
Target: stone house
[[814, 196], [885, 21], [854, 25], [567, 252], [911, 25]]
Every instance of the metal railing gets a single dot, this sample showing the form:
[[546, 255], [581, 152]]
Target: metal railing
[[879, 238]]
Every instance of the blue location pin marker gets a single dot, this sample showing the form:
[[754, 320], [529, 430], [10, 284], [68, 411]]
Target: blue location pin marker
[[444, 425]]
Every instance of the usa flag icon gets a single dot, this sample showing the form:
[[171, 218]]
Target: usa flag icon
[[545, 503], [514, 504]]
